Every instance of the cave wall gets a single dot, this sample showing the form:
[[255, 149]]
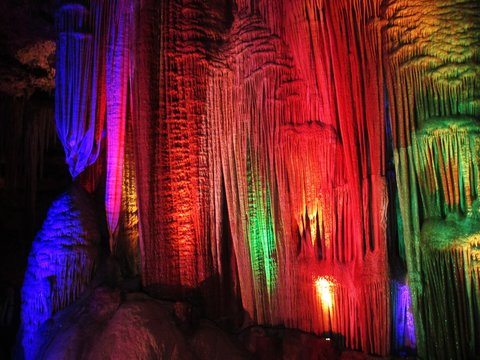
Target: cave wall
[[433, 85], [251, 111], [315, 160], [32, 170]]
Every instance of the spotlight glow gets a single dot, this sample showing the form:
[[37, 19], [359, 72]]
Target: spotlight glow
[[324, 291]]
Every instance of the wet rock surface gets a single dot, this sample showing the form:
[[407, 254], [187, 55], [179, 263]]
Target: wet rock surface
[[27, 47], [108, 323]]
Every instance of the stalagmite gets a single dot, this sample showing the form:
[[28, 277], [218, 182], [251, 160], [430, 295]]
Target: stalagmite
[[61, 264]]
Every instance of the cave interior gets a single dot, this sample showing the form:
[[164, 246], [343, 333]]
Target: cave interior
[[235, 179]]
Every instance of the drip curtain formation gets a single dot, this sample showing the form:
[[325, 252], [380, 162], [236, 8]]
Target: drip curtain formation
[[246, 153]]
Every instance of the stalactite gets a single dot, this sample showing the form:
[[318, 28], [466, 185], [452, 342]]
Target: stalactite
[[92, 84], [27, 133], [92, 178], [126, 248], [446, 164], [287, 151], [39, 132], [145, 108], [117, 69], [245, 116], [432, 81], [76, 88], [270, 117], [451, 272], [310, 154], [172, 138]]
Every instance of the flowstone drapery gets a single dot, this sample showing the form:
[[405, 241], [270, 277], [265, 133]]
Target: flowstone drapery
[[61, 264], [433, 85], [247, 156]]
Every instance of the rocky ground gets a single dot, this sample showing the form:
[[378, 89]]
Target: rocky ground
[[111, 323]]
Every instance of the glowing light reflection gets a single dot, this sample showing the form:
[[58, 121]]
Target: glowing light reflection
[[324, 291], [403, 317]]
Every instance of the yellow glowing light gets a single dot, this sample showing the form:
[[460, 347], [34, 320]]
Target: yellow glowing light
[[324, 291]]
